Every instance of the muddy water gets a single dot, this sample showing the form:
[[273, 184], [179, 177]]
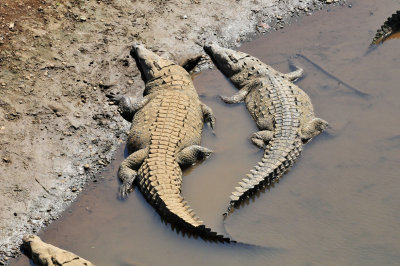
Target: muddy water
[[338, 205]]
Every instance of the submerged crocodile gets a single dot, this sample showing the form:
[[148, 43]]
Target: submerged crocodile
[[390, 29], [282, 111], [165, 135]]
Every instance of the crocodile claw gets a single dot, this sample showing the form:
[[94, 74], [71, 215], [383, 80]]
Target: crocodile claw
[[115, 98], [124, 190]]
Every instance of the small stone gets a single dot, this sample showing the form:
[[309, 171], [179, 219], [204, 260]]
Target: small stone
[[185, 17], [328, 1], [74, 189], [130, 82], [86, 166], [3, 84], [6, 159], [11, 25], [83, 18], [279, 17]]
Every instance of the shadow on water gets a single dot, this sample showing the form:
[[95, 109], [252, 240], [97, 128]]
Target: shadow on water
[[338, 205]]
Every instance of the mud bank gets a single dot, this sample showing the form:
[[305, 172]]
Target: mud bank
[[57, 128]]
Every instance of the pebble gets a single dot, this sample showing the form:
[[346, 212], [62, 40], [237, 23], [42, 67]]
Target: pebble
[[74, 189], [83, 18], [86, 166]]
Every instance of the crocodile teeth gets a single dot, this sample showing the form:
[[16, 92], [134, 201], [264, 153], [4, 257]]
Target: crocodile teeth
[[240, 189], [237, 193], [234, 198]]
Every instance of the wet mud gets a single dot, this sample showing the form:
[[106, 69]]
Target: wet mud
[[337, 206]]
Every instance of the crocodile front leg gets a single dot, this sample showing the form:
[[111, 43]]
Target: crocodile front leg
[[261, 138], [192, 154], [127, 171], [208, 115], [126, 107], [294, 74], [312, 129], [237, 97]]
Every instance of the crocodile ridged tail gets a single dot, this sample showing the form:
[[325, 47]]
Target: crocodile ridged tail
[[389, 27], [278, 158], [166, 199]]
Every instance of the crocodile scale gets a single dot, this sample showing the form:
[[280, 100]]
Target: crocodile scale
[[389, 30]]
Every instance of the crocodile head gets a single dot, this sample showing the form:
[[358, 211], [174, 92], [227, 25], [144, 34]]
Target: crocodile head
[[149, 63], [228, 61]]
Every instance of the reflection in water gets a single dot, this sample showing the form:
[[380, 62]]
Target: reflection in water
[[338, 205]]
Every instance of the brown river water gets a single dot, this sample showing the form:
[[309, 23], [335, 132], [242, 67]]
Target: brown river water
[[340, 203]]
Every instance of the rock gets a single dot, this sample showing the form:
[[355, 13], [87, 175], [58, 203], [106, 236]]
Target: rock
[[86, 166], [83, 18], [42, 253]]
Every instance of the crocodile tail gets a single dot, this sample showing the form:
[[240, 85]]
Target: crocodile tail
[[166, 199], [389, 28], [278, 158]]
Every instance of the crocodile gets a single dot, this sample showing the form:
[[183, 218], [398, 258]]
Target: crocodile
[[43, 254], [282, 111], [389, 30], [165, 135]]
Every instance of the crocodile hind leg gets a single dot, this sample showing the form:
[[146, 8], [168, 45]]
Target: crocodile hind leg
[[294, 74], [237, 97], [192, 154], [261, 138], [312, 129], [126, 107], [208, 115], [127, 172]]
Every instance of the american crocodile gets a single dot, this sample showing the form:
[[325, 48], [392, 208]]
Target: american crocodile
[[282, 111], [390, 29], [43, 254], [165, 135]]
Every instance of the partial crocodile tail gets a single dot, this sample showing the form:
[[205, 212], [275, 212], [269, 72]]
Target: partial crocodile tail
[[388, 30], [162, 191], [279, 156]]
